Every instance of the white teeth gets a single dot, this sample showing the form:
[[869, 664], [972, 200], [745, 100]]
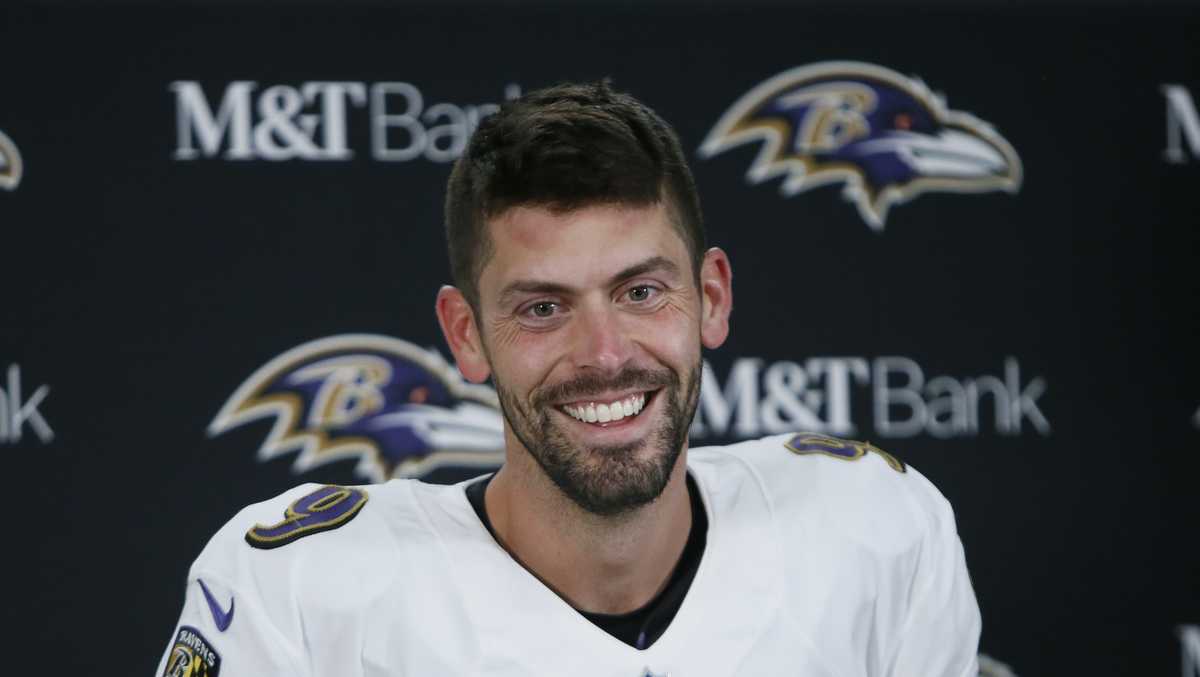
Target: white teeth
[[604, 413], [616, 411]]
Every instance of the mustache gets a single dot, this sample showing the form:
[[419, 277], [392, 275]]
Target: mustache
[[589, 385]]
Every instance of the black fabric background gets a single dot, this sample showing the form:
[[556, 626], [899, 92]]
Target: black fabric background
[[143, 289]]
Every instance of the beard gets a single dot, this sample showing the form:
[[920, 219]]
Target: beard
[[606, 480]]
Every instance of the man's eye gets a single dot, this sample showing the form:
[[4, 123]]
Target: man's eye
[[640, 293], [543, 309]]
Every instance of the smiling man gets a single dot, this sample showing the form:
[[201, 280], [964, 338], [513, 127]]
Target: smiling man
[[603, 545]]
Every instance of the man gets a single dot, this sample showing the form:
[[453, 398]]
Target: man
[[603, 546]]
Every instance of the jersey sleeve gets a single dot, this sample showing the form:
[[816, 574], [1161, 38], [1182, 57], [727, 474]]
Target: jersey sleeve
[[230, 635], [240, 617], [940, 634]]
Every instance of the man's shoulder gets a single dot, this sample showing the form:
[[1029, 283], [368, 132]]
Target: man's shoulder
[[810, 459], [820, 482], [325, 531]]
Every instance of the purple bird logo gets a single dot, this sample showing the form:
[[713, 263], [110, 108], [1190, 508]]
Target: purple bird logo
[[884, 137], [401, 410]]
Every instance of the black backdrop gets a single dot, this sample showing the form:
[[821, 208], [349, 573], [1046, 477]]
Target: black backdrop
[[142, 289]]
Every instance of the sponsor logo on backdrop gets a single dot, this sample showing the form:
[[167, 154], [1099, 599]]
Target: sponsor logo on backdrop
[[11, 167], [398, 409], [885, 138], [758, 398], [18, 412], [402, 411], [312, 121], [1189, 642], [1183, 125]]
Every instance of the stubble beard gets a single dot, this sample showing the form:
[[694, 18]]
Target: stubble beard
[[609, 480]]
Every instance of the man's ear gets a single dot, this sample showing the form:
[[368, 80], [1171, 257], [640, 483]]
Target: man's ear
[[716, 291], [462, 334]]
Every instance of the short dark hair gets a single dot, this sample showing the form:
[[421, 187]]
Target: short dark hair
[[564, 148]]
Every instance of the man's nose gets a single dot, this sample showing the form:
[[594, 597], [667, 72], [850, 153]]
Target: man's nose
[[602, 339]]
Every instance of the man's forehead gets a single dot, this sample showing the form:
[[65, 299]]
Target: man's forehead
[[538, 225], [534, 240]]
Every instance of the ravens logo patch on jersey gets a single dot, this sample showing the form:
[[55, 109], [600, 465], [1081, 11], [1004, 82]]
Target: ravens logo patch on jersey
[[192, 656]]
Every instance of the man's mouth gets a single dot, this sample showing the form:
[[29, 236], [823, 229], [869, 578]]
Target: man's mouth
[[607, 412]]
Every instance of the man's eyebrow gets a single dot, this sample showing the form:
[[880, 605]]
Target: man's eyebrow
[[532, 287], [652, 264], [519, 287]]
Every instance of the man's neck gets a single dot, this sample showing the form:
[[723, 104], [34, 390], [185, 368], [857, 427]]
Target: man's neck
[[609, 565]]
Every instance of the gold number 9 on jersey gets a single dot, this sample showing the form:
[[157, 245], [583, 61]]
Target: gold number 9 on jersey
[[326, 508]]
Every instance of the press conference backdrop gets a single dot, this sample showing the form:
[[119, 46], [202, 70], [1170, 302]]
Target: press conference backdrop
[[967, 234]]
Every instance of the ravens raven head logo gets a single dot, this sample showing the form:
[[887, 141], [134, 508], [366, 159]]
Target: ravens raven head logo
[[886, 137], [10, 163], [399, 409]]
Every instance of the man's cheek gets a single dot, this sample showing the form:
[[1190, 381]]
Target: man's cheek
[[506, 334], [679, 310]]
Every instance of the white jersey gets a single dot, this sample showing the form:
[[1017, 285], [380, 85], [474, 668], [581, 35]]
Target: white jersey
[[824, 558]]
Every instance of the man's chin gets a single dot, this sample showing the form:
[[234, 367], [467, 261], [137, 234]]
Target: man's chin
[[609, 494], [596, 450], [611, 468]]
